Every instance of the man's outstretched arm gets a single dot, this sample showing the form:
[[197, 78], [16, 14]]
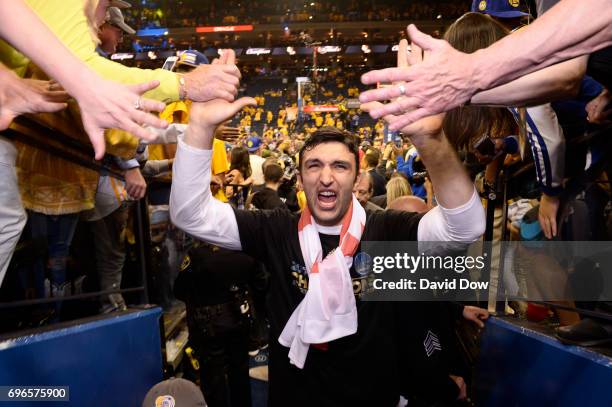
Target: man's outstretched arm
[[192, 207], [459, 215]]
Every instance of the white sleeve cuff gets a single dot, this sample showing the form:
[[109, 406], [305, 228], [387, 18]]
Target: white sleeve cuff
[[466, 223]]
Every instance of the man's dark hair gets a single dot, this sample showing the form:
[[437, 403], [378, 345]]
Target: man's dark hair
[[332, 134], [372, 157], [272, 173]]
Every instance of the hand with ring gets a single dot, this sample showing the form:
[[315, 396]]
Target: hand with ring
[[429, 126]]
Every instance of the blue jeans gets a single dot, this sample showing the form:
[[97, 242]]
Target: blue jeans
[[59, 231]]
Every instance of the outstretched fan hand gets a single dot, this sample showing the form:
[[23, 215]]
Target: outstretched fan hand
[[109, 105], [438, 83], [428, 126]]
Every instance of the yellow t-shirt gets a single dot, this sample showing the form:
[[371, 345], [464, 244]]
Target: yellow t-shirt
[[175, 112], [219, 165]]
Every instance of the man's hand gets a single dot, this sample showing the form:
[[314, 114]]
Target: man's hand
[[475, 314], [110, 105], [436, 84], [205, 117], [422, 129], [216, 81], [462, 387], [547, 215], [418, 132], [599, 110], [20, 96], [208, 115], [135, 184]]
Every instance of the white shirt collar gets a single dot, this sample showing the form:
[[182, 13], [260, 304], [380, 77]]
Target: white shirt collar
[[329, 230]]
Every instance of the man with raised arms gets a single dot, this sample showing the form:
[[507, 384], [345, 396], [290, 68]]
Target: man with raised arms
[[327, 347]]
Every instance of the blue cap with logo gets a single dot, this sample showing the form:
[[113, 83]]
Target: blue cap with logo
[[253, 143], [192, 58], [499, 8]]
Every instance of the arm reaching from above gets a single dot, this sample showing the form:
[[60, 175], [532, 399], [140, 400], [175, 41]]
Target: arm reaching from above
[[447, 78], [557, 82], [104, 104], [70, 58]]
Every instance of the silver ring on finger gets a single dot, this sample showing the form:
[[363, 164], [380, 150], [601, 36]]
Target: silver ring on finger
[[402, 89], [138, 104]]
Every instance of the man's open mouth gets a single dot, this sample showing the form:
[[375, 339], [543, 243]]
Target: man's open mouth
[[327, 199]]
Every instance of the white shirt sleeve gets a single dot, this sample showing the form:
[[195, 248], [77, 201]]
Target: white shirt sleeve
[[465, 223], [192, 206], [168, 135]]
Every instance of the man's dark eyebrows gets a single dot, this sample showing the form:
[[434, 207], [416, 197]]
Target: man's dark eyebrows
[[335, 162], [312, 161], [343, 162]]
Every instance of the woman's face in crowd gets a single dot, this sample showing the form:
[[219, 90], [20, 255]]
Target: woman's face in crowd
[[328, 176]]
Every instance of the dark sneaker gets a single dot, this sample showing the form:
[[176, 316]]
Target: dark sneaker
[[587, 332]]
